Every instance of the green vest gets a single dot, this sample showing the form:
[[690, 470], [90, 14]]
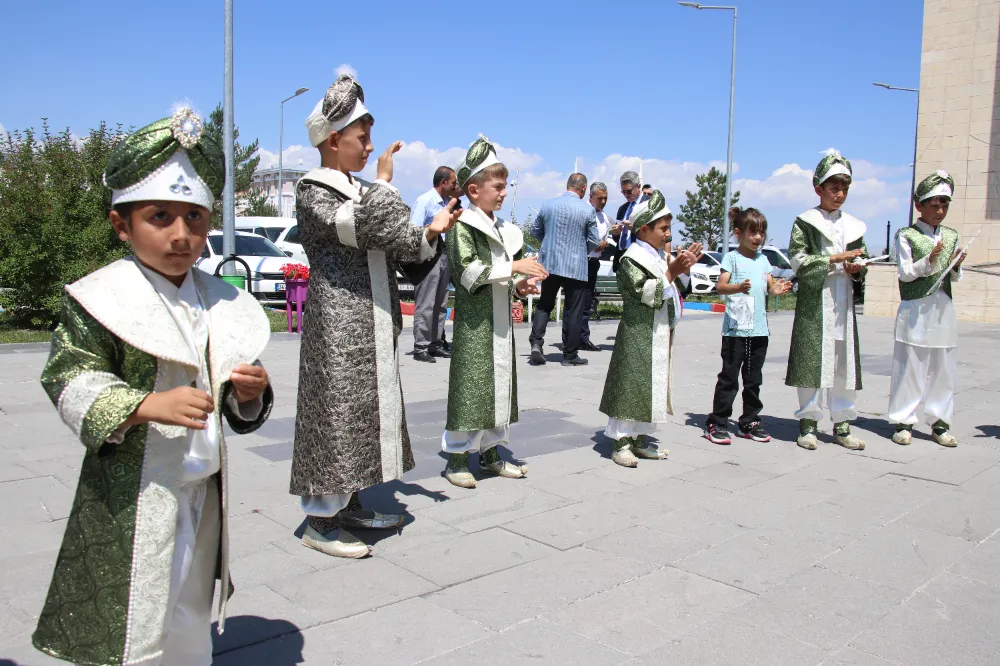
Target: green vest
[[921, 246]]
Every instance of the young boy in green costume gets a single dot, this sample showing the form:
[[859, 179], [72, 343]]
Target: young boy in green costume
[[637, 389], [485, 253], [824, 361], [147, 354]]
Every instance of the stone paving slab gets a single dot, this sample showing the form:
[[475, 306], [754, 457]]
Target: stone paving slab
[[742, 554]]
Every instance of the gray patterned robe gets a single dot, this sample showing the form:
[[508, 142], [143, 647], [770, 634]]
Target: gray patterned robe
[[350, 430]]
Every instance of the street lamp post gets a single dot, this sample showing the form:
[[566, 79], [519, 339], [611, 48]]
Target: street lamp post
[[228, 140], [281, 147], [732, 96], [913, 178]]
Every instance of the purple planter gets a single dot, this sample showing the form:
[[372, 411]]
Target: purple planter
[[296, 292]]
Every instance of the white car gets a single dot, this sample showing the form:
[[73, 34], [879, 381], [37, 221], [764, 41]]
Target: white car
[[289, 241], [705, 273], [269, 227], [781, 268], [267, 282]]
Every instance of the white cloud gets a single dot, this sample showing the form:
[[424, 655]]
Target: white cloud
[[296, 155], [345, 69], [879, 191]]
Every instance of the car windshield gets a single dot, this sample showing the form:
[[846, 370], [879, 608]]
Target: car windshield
[[776, 259], [273, 232], [710, 259], [248, 246]]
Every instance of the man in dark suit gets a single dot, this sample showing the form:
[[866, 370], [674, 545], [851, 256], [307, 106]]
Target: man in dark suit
[[567, 228], [622, 231]]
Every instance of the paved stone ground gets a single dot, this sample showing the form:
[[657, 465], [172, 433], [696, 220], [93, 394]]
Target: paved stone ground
[[753, 553]]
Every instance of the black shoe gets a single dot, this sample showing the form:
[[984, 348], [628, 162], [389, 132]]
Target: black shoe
[[441, 353], [445, 345], [536, 356], [589, 346], [717, 435], [424, 356], [754, 431], [576, 360]]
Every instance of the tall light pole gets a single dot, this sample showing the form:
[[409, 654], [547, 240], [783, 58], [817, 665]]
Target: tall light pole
[[229, 192], [729, 149], [913, 178], [281, 146]]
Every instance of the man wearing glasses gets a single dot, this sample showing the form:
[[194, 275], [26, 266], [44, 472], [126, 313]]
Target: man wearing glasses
[[621, 231]]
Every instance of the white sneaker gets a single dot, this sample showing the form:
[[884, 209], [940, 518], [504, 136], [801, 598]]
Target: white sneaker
[[649, 452], [625, 457], [807, 441], [945, 439], [338, 543]]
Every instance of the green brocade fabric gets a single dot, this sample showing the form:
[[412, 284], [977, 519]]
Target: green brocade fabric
[[471, 387], [84, 617], [628, 389], [805, 355], [921, 246]]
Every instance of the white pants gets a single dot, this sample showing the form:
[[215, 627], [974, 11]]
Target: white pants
[[460, 441], [325, 506], [839, 399], [187, 638], [922, 375], [618, 428]]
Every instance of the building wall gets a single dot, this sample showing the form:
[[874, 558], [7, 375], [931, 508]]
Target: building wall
[[958, 130]]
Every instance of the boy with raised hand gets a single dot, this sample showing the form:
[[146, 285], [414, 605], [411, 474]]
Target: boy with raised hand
[[147, 354], [925, 356], [824, 361], [637, 389], [486, 254], [350, 433]]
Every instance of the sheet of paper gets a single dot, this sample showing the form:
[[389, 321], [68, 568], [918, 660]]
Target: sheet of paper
[[863, 261], [954, 262]]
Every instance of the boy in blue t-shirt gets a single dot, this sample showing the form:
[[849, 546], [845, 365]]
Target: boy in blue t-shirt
[[745, 281]]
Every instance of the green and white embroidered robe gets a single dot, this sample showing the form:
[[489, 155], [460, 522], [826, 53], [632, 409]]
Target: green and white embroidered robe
[[824, 288], [637, 387], [482, 385], [350, 428], [115, 344]]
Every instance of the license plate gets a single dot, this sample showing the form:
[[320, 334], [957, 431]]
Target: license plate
[[279, 286]]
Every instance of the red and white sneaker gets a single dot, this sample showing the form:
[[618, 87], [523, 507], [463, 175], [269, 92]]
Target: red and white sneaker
[[717, 435], [754, 431]]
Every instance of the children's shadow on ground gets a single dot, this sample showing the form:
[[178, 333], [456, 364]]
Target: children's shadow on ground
[[278, 642], [987, 430]]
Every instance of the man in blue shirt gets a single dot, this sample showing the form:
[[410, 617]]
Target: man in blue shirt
[[567, 229], [430, 295]]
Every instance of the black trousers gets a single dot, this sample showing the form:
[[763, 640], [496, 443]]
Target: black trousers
[[590, 304], [740, 356], [576, 294]]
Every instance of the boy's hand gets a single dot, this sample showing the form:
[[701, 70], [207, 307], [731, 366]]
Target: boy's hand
[[852, 268], [529, 267], [842, 257], [744, 287], [444, 220], [183, 406], [960, 260], [527, 286], [249, 382], [936, 252], [384, 167]]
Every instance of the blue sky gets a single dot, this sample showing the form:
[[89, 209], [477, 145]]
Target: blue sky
[[602, 82]]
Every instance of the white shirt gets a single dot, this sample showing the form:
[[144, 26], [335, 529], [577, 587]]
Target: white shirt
[[843, 290], [603, 224], [184, 303], [928, 321]]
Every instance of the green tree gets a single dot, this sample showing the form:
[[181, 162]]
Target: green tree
[[247, 161], [257, 204], [54, 226], [703, 212]]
